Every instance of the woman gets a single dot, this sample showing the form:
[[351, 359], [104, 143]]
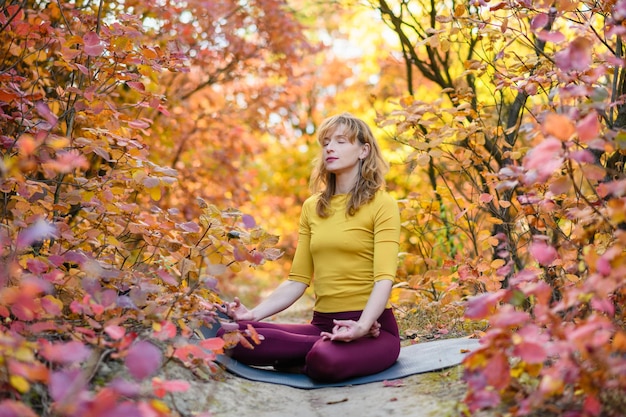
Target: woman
[[348, 238]]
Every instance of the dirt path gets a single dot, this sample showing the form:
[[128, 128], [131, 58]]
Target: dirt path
[[435, 394], [432, 394]]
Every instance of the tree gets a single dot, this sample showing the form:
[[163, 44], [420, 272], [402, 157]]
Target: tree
[[97, 261], [524, 157]]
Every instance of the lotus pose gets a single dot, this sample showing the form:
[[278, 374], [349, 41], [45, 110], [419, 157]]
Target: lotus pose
[[347, 249]]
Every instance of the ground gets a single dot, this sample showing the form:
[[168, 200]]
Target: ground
[[430, 394]]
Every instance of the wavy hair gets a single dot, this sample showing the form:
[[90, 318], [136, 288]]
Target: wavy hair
[[372, 168]]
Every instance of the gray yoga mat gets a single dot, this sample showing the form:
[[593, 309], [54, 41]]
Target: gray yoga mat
[[413, 359]]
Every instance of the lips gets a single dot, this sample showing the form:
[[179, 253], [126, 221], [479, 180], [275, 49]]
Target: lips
[[331, 159]]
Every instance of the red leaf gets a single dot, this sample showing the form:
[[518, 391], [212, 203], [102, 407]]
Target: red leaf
[[592, 406], [497, 371], [143, 359], [93, 46], [166, 330]]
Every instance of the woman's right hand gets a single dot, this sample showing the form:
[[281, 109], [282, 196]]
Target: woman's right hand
[[237, 311]]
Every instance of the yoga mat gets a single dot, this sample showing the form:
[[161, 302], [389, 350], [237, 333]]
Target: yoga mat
[[413, 359]]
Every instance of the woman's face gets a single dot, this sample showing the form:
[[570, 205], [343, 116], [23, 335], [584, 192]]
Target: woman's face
[[340, 154]]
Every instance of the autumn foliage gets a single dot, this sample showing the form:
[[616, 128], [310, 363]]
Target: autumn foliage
[[522, 205], [129, 132], [102, 257]]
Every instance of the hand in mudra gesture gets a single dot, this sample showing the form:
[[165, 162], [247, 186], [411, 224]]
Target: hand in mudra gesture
[[349, 330]]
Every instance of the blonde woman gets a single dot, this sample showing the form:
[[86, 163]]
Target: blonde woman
[[347, 249]]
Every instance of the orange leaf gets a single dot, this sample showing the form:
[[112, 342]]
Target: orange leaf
[[559, 126], [214, 344]]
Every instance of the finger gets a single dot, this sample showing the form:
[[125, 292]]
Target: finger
[[229, 326]]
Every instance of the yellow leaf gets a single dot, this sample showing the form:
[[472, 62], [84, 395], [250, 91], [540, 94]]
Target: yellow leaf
[[24, 354], [160, 406], [155, 193], [19, 383], [459, 10], [498, 263]]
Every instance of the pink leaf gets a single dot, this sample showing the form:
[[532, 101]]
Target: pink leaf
[[248, 221], [543, 253], [582, 156], [576, 57], [393, 384], [539, 21], [167, 277], [190, 227], [135, 85], [46, 113], [68, 161], [65, 353], [531, 352], [485, 198], [93, 46], [507, 316], [65, 383], [481, 306], [548, 36], [11, 408], [138, 124], [115, 332], [589, 127], [163, 387], [36, 266], [40, 230], [143, 359]]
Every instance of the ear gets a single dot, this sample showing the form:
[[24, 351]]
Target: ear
[[365, 151]]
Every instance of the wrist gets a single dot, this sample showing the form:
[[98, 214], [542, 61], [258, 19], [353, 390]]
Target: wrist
[[363, 328]]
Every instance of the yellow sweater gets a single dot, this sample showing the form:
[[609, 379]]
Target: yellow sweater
[[347, 253]]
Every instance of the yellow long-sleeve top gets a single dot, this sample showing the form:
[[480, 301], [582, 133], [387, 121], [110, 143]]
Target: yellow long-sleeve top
[[348, 253]]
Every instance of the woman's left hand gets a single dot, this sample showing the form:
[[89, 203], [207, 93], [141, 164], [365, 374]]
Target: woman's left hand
[[345, 331]]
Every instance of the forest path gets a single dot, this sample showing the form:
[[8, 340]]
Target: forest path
[[431, 394], [436, 394]]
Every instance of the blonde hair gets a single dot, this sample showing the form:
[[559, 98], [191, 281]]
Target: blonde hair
[[371, 172]]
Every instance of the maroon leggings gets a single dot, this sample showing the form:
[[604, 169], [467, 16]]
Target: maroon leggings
[[294, 345]]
